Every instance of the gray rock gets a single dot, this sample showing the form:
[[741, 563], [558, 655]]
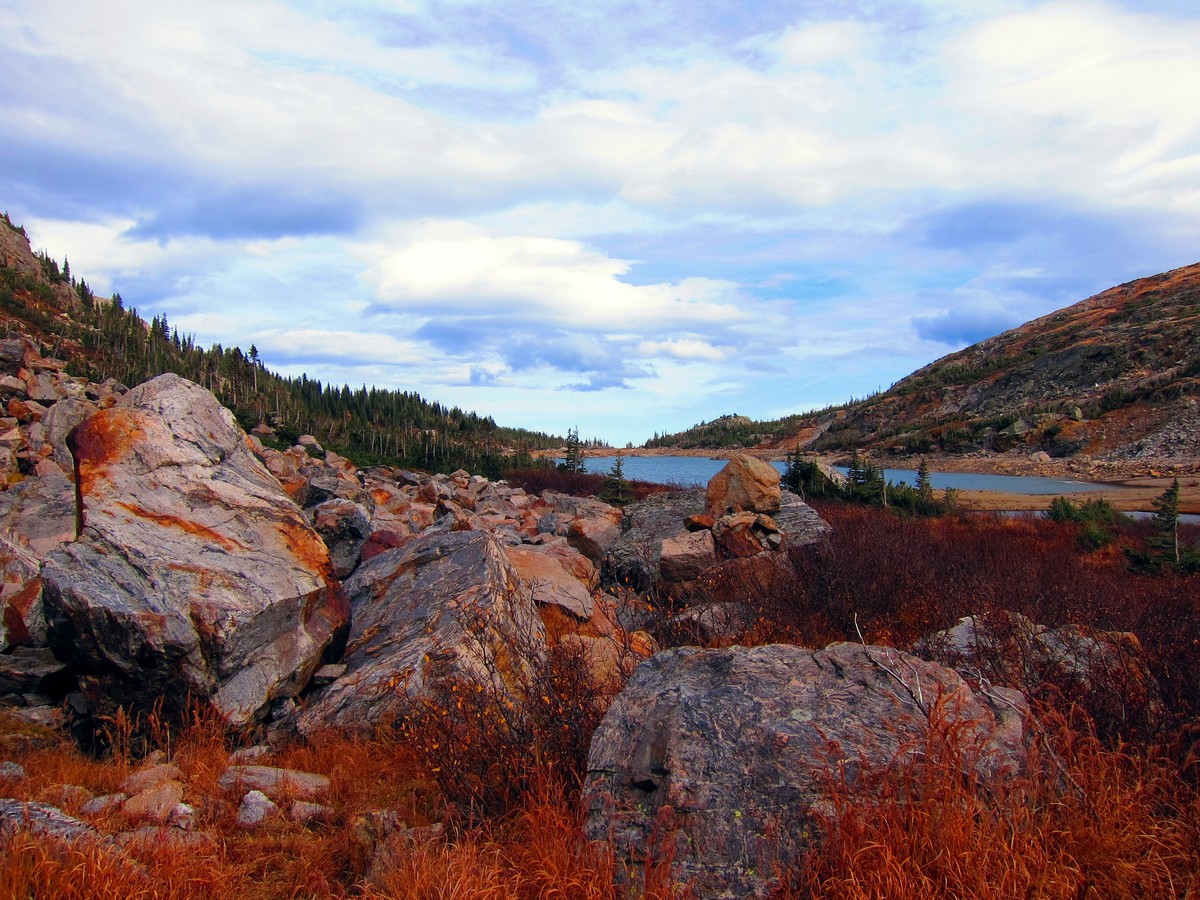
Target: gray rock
[[735, 747], [11, 771], [194, 575], [344, 526], [45, 821], [275, 782], [246, 755], [1105, 672], [444, 603], [684, 556], [633, 561], [31, 670], [58, 423], [39, 513], [311, 445], [256, 807], [799, 523]]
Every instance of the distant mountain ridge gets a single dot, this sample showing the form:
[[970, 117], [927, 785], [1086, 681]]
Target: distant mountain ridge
[[1114, 376]]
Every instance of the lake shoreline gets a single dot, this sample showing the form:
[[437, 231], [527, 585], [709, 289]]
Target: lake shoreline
[[1132, 485]]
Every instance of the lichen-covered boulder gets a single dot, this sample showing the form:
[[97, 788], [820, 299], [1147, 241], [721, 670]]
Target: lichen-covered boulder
[[194, 576], [734, 749]]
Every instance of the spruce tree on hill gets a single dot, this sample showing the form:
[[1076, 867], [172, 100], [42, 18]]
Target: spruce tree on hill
[[1164, 542], [573, 458], [616, 488]]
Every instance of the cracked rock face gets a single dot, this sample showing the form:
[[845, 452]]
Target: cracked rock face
[[446, 604], [732, 750], [194, 576]]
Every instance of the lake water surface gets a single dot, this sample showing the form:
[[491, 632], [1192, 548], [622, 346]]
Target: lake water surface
[[695, 471]]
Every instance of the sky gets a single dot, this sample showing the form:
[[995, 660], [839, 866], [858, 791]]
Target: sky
[[625, 217]]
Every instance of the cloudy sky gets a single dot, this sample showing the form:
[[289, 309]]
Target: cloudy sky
[[625, 216]]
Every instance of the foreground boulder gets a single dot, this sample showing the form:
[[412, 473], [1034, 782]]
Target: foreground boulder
[[194, 575], [732, 750], [447, 603]]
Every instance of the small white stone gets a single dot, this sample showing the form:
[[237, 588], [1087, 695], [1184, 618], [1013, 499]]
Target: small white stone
[[256, 806]]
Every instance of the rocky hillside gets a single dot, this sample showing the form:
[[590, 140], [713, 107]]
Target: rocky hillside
[[1115, 376]]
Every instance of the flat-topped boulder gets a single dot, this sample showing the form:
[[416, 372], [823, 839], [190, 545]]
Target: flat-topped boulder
[[194, 575]]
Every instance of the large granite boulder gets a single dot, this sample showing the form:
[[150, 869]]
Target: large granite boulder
[[746, 484], [194, 576], [733, 750], [447, 603]]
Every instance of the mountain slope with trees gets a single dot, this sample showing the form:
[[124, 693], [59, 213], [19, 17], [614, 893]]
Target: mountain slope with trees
[[1114, 376], [102, 338]]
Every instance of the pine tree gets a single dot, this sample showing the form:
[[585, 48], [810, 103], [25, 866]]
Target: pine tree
[[924, 482], [1165, 538], [616, 488], [573, 458]]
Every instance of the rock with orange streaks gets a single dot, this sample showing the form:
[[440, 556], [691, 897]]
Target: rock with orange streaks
[[194, 577], [549, 581]]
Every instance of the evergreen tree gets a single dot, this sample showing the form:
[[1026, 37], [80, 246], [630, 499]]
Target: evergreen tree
[[573, 458], [1164, 541], [616, 488], [924, 481]]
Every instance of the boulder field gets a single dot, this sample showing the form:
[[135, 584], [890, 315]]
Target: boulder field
[[154, 556]]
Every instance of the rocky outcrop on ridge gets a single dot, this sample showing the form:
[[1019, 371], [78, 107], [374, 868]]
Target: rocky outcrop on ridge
[[745, 484], [730, 750], [673, 538], [193, 575]]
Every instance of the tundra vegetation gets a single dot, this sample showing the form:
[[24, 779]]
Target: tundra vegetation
[[1112, 809]]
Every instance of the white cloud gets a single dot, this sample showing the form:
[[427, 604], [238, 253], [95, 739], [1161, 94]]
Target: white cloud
[[683, 348], [454, 267], [1085, 97], [359, 348]]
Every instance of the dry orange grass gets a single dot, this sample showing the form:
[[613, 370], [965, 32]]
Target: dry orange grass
[[1086, 822]]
